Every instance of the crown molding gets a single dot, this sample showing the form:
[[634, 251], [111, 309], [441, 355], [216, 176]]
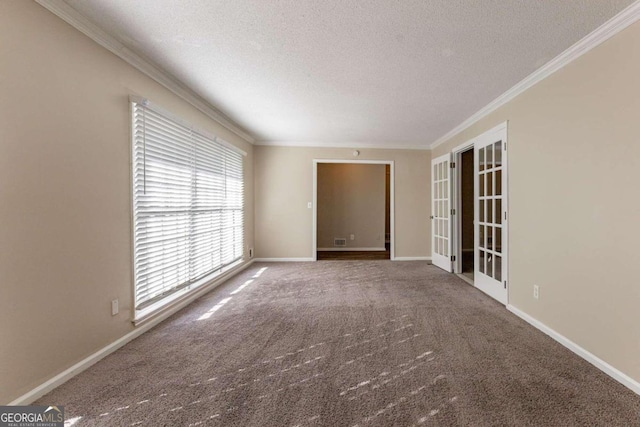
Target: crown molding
[[601, 34], [88, 28], [316, 144]]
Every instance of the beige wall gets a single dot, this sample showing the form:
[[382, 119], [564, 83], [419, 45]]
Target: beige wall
[[351, 200], [65, 243], [574, 169], [284, 186]]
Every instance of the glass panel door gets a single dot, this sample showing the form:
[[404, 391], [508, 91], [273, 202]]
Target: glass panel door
[[490, 216], [440, 212]]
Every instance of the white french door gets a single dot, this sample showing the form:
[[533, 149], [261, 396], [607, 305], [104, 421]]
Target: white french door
[[490, 218], [441, 212]]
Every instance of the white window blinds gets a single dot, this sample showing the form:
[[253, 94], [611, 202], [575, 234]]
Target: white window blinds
[[188, 197]]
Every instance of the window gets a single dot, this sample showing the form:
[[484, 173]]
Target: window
[[188, 205]]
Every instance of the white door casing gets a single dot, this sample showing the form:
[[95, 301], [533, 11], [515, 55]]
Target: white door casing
[[314, 205], [441, 212], [456, 204], [490, 216]]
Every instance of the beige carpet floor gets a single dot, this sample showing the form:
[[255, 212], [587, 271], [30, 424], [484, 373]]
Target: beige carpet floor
[[345, 343]]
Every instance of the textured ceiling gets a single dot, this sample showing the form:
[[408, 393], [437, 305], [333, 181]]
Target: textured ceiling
[[333, 72]]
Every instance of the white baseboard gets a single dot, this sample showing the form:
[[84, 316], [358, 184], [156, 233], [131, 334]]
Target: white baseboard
[[74, 370], [412, 258], [283, 259], [350, 249], [614, 373]]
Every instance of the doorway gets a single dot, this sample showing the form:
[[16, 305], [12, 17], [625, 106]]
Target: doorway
[[465, 218], [353, 216]]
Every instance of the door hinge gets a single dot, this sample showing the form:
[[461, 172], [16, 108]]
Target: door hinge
[[505, 215], [505, 146], [453, 211], [452, 165], [453, 257], [505, 284]]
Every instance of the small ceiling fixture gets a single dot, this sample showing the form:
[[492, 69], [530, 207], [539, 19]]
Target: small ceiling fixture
[[356, 153]]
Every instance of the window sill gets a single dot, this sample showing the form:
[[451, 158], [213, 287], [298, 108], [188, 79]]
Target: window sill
[[196, 289]]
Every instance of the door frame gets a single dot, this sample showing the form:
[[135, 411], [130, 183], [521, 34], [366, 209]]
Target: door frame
[[456, 203], [314, 225]]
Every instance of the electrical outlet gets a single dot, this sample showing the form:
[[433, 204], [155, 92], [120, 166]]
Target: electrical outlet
[[250, 252], [536, 291], [352, 237], [114, 307]]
